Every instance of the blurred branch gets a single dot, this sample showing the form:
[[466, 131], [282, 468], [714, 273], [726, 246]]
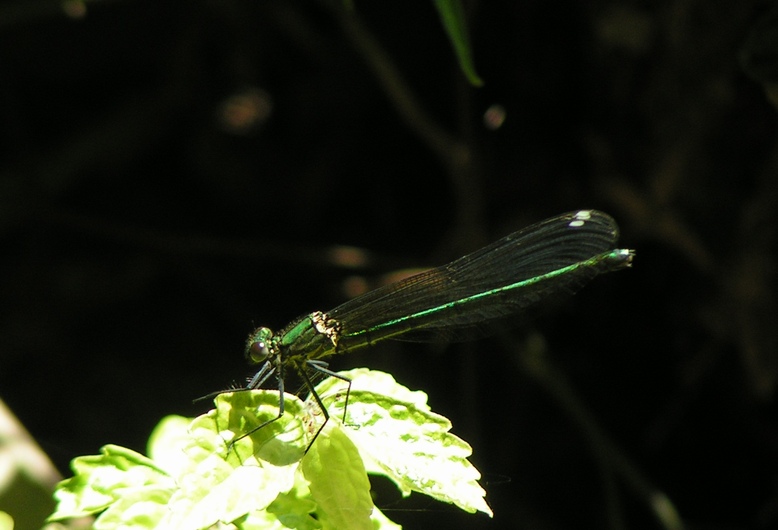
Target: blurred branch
[[456, 155], [27, 11], [340, 256], [391, 81], [660, 223], [532, 361], [749, 283], [15, 13]]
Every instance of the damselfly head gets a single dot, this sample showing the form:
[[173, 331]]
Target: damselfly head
[[259, 345]]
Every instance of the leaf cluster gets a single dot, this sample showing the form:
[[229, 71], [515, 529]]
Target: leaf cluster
[[207, 472]]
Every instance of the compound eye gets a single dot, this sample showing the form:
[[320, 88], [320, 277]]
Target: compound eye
[[259, 345], [258, 352]]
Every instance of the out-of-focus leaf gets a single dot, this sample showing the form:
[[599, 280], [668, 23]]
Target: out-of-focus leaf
[[452, 14]]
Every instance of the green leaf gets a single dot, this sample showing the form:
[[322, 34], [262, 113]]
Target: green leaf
[[399, 437], [101, 480], [6, 521], [205, 474], [289, 510], [452, 14], [137, 508], [221, 469], [338, 481], [165, 442], [227, 477]]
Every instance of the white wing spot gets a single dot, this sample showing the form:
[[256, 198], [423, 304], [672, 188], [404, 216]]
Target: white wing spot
[[580, 218]]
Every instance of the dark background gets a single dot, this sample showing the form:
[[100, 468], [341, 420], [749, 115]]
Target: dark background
[[173, 173]]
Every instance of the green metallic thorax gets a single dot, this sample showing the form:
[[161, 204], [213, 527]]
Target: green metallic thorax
[[312, 337]]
